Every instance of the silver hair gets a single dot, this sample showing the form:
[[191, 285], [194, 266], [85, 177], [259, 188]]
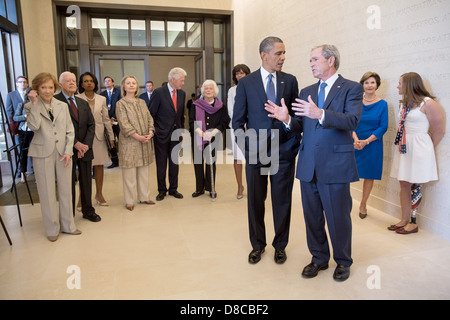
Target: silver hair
[[267, 44], [61, 76], [176, 73], [329, 50], [209, 82]]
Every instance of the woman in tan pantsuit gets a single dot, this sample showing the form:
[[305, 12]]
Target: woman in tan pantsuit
[[87, 87], [135, 148], [51, 149]]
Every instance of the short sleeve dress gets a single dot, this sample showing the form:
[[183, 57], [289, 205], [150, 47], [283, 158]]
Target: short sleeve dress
[[374, 120], [418, 164]]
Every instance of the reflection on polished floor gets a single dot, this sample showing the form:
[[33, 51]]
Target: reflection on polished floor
[[197, 249]]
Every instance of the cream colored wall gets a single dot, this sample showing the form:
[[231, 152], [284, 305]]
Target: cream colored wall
[[413, 36]]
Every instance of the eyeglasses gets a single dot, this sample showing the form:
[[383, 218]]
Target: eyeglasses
[[22, 81]]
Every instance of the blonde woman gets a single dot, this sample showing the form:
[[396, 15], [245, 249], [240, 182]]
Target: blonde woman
[[135, 148]]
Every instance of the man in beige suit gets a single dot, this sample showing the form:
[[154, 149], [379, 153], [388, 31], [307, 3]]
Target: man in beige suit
[[51, 149]]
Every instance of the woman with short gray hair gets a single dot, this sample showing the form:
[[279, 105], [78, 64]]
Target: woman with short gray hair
[[207, 118]]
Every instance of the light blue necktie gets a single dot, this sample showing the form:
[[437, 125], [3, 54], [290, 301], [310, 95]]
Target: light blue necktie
[[270, 90], [321, 99]]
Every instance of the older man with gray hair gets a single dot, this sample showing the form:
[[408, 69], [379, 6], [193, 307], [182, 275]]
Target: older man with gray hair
[[84, 125], [167, 109]]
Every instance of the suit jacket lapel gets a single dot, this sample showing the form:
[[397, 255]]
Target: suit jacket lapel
[[56, 111], [280, 87], [168, 96], [259, 86], [333, 91], [315, 93]]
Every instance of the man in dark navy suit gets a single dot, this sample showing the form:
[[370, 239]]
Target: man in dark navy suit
[[148, 92], [112, 95], [167, 109], [269, 149], [327, 113]]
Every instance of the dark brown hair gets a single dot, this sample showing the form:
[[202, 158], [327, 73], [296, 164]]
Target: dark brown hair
[[240, 67]]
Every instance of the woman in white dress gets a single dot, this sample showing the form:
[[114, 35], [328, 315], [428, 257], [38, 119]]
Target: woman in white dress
[[239, 71], [87, 87], [421, 128]]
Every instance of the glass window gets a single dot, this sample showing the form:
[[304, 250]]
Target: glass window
[[118, 31], [218, 36], [73, 62], [218, 67], [158, 35], [110, 68], [99, 32], [194, 35], [138, 33], [11, 9], [135, 68], [71, 31], [175, 34], [2, 9]]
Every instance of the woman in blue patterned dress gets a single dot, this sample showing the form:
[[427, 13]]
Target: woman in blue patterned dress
[[368, 137]]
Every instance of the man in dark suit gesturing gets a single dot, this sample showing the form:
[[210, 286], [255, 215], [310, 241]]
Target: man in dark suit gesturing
[[167, 109], [84, 125], [275, 150], [328, 112]]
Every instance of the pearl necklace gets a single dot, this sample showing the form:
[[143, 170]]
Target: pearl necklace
[[90, 99], [370, 100]]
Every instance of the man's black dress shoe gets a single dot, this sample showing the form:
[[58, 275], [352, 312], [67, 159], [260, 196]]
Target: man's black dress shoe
[[92, 217], [198, 193], [160, 196], [280, 256], [255, 256], [341, 273], [312, 269], [176, 194], [113, 165]]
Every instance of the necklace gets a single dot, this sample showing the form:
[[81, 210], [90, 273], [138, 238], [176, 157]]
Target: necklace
[[90, 99], [370, 100]]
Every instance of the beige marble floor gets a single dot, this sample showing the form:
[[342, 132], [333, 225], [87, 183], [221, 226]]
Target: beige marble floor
[[197, 249]]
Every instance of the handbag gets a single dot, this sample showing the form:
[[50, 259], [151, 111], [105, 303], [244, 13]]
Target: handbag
[[111, 150], [13, 127]]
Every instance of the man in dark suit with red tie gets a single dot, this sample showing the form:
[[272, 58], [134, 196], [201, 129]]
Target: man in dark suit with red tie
[[272, 142], [84, 125], [167, 109], [327, 113]]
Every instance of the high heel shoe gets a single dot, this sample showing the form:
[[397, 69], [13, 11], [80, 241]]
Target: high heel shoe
[[103, 204], [241, 195], [129, 207]]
